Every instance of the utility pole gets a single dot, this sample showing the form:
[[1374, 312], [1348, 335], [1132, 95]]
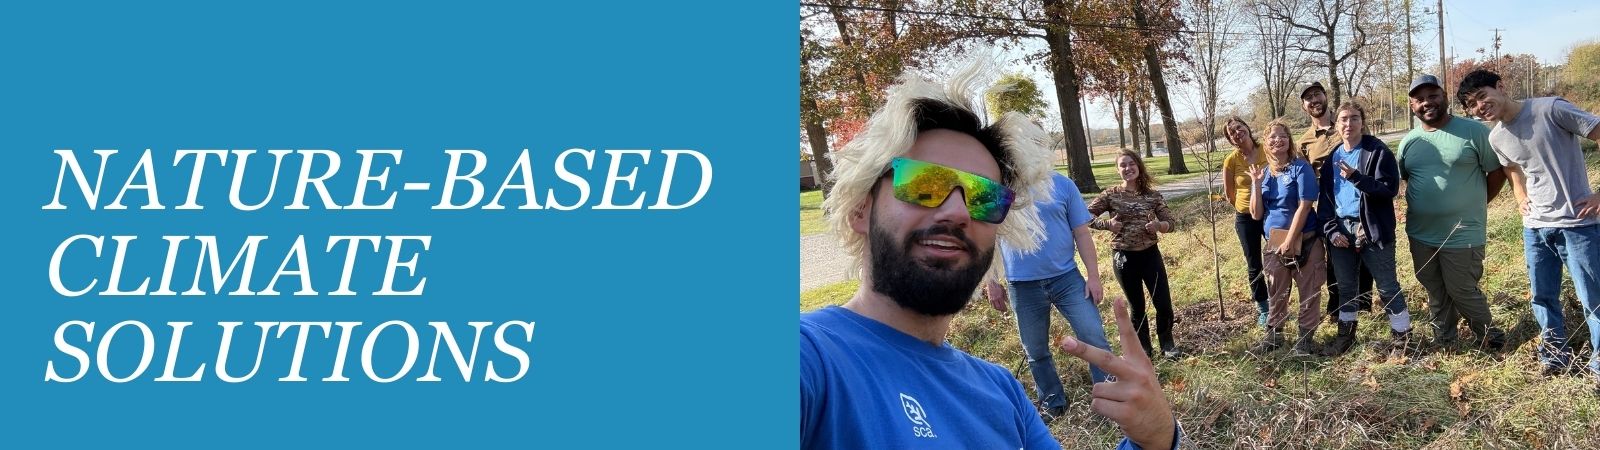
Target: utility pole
[[1496, 47], [1533, 70], [1444, 67], [1388, 54], [1411, 121]]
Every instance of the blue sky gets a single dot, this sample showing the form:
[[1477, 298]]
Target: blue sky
[[1545, 28]]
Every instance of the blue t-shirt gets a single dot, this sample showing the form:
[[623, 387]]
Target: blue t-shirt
[[1055, 256], [864, 384], [1346, 197], [1281, 195]]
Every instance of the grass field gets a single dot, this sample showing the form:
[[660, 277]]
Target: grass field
[[1105, 167], [1428, 397]]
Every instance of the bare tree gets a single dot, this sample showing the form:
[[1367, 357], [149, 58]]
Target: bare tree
[[1116, 101], [1356, 73], [1337, 32], [1210, 60], [1278, 70], [1211, 56]]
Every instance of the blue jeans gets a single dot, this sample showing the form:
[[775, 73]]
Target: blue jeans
[[1347, 262], [1032, 301], [1547, 250]]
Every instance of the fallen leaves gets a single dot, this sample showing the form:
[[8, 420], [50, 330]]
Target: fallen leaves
[[1371, 383], [1458, 392]]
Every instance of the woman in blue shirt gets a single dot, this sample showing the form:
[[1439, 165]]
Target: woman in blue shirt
[[1282, 196]]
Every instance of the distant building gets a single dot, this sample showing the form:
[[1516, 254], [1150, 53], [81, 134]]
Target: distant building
[[808, 174]]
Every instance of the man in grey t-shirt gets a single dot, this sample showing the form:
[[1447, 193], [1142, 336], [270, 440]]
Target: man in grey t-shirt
[[1538, 142]]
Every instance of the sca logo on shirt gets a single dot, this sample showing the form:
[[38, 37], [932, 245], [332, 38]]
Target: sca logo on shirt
[[919, 418]]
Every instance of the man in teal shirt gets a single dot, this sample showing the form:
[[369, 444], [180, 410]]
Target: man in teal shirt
[[1451, 174]]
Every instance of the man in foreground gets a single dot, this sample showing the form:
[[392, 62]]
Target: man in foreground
[[922, 196]]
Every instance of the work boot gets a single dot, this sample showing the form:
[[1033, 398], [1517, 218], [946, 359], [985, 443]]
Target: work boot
[[1342, 342], [1171, 351], [1052, 413], [1493, 339], [1272, 340], [1304, 345], [1399, 340]]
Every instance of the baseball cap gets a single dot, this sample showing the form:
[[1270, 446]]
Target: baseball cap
[[1309, 86], [1423, 80]]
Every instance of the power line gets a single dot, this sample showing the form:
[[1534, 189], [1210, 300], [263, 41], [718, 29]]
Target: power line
[[1073, 39], [1247, 34]]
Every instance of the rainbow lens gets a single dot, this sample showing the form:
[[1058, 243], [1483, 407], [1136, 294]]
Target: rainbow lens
[[928, 184]]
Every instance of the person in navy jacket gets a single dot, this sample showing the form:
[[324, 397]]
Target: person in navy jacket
[[1356, 210]]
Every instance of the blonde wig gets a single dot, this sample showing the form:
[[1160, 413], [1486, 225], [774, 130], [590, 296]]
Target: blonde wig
[[1025, 160]]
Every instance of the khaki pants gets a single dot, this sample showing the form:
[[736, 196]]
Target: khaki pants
[[1310, 276], [1450, 275]]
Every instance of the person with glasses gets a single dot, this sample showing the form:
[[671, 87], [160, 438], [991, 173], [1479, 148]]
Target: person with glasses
[[1281, 197], [921, 198], [1356, 211], [1316, 144]]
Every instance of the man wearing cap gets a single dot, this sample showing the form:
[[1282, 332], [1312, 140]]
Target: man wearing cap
[[1450, 173], [1316, 144]]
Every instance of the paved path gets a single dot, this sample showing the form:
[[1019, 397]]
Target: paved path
[[822, 261]]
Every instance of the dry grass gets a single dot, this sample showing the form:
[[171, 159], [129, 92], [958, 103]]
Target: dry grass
[[1455, 397]]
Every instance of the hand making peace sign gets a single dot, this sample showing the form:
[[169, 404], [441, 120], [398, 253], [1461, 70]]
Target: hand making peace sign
[[1132, 395]]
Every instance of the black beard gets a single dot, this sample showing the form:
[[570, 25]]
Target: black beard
[[1322, 108], [936, 290], [1422, 115]]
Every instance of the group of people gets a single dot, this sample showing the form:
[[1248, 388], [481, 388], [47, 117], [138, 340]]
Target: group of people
[[927, 191], [1323, 212], [1326, 212]]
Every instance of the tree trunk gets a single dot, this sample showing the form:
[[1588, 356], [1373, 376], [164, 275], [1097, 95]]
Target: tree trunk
[[1144, 128], [816, 134], [1159, 85], [1058, 38], [1122, 132], [1335, 93], [1088, 130], [1266, 83], [818, 137], [1136, 128]]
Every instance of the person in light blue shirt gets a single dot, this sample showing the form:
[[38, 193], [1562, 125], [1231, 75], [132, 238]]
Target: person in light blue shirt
[[1049, 278], [1359, 222]]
